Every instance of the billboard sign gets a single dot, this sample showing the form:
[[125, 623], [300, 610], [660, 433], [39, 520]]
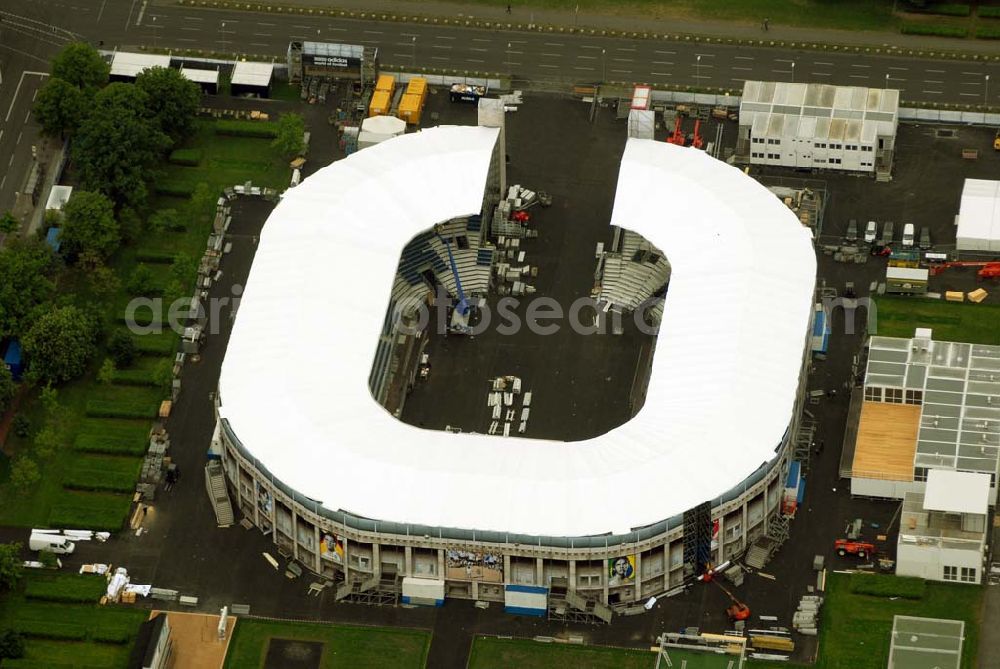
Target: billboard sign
[[474, 566], [332, 548], [621, 570]]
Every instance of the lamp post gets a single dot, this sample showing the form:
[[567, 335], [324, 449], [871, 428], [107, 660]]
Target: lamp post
[[604, 65], [887, 80], [510, 73], [986, 91], [793, 71], [222, 33], [414, 42], [697, 70]]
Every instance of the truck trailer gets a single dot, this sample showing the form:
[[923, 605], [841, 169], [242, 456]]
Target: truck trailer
[[53, 543]]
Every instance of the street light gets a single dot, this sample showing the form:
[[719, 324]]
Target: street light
[[604, 66], [793, 71], [510, 73], [986, 92], [222, 32], [414, 41], [887, 80], [697, 69]]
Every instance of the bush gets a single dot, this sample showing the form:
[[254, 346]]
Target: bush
[[881, 585], [141, 281], [168, 220], [174, 188], [21, 426], [950, 9], [122, 408], [136, 377], [65, 588], [105, 635], [24, 474], [154, 257], [100, 480], [122, 349], [187, 157], [261, 129], [989, 12], [933, 30], [44, 629], [164, 343], [11, 645], [987, 33], [104, 436]]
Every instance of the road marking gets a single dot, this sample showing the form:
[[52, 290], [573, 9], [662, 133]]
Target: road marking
[[859, 65], [475, 60], [34, 95], [26, 115], [737, 80], [550, 55], [622, 48], [260, 23], [18, 141], [472, 48], [902, 69], [822, 74], [185, 39], [587, 57], [662, 74], [303, 27], [591, 46], [196, 30], [517, 52], [439, 58], [513, 41], [262, 34], [475, 39], [259, 44], [443, 37], [742, 69], [931, 81], [1, 135], [18, 90], [822, 63], [743, 57], [440, 46], [783, 60], [142, 10], [3, 181], [374, 32], [554, 67], [99, 13], [623, 60], [622, 71], [974, 74], [782, 71], [662, 62], [128, 19], [706, 55], [702, 76], [553, 44], [668, 53], [859, 76], [936, 71], [584, 68], [11, 161], [970, 83], [971, 95], [934, 92]]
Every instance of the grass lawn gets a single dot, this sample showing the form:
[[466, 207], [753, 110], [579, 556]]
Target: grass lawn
[[102, 634], [78, 488], [491, 653], [355, 647], [951, 321], [844, 14]]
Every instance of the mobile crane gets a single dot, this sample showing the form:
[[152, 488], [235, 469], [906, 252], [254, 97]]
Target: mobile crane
[[460, 317], [737, 610], [678, 135]]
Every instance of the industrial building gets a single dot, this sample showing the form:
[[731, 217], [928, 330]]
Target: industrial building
[[126, 65], [942, 531], [818, 126], [925, 405], [378, 505], [207, 80], [979, 216], [252, 79]]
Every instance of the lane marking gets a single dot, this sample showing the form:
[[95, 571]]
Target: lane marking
[[932, 81], [439, 58], [262, 34], [185, 39], [706, 55], [822, 74], [702, 76], [474, 39], [473, 48], [554, 67], [782, 71], [936, 71], [623, 60], [859, 76], [18, 90], [971, 95], [589, 46], [743, 57], [662, 62], [974, 74], [443, 37], [128, 19], [374, 32], [440, 46], [587, 57], [553, 44], [742, 69], [196, 30], [101, 11], [259, 44], [661, 74], [520, 53], [668, 53], [26, 115], [550, 55], [21, 133], [475, 60], [142, 10], [622, 48], [783, 60], [823, 63], [859, 65], [622, 71], [584, 68], [902, 69], [934, 92], [269, 25]]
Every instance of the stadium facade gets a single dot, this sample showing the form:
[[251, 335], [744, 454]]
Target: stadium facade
[[373, 504]]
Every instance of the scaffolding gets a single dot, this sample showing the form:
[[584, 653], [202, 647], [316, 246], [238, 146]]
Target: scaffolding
[[697, 538]]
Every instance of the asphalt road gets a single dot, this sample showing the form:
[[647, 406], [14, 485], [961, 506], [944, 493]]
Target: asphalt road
[[529, 56]]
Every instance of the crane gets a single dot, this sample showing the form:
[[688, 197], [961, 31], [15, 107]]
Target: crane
[[737, 610], [678, 135], [697, 141], [462, 308], [989, 269]]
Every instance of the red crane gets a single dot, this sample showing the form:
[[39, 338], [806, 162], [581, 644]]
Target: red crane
[[989, 269], [678, 135], [697, 141]]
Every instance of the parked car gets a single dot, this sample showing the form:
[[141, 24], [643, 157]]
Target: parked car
[[887, 231], [908, 236], [925, 238], [852, 230], [871, 231]]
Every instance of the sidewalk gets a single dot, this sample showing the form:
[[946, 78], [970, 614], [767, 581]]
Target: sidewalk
[[645, 24]]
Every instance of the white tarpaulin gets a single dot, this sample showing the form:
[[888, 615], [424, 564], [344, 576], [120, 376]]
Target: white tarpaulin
[[118, 581], [141, 590], [979, 216], [722, 388]]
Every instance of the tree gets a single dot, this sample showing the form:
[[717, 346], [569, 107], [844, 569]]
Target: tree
[[59, 344], [172, 99], [7, 388], [203, 203], [106, 374], [11, 566], [117, 146], [141, 282], [165, 220], [25, 268], [89, 225], [11, 644], [81, 65], [9, 224], [60, 107], [24, 474], [122, 349], [289, 139]]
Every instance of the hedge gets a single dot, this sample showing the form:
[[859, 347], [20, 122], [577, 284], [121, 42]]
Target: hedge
[[111, 437], [933, 30], [119, 636], [186, 157], [950, 9], [100, 480], [989, 12], [44, 629], [987, 33], [881, 585], [66, 588], [90, 511], [155, 257], [137, 407], [246, 129], [174, 188], [164, 343], [135, 377]]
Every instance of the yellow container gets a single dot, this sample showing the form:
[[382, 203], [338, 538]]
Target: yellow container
[[386, 82], [379, 105], [410, 108], [417, 86]]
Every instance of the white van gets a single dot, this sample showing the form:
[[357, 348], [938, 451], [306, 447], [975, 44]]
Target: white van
[[871, 231], [908, 235], [54, 543]]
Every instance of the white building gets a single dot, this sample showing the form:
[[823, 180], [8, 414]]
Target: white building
[[126, 65], [979, 216], [942, 531], [819, 126], [927, 405]]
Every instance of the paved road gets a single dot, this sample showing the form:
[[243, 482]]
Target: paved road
[[530, 56]]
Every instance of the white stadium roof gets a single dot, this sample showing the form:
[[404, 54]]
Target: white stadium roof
[[294, 384]]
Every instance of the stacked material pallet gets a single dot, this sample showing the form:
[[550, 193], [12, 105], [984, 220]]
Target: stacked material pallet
[[412, 104], [806, 617]]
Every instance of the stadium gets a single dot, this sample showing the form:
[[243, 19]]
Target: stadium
[[317, 460]]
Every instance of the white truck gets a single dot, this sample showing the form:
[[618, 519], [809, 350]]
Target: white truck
[[908, 235], [54, 543]]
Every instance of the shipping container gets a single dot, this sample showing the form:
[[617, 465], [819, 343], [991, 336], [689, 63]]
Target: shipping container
[[386, 82], [381, 100], [417, 86], [526, 600], [466, 93], [410, 108]]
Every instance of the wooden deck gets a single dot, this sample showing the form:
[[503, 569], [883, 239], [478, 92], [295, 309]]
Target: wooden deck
[[887, 441]]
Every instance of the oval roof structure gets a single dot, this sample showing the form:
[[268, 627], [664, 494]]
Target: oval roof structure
[[725, 376]]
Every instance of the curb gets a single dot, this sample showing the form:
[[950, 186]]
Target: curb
[[884, 50]]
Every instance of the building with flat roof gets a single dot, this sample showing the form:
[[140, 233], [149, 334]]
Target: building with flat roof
[[207, 80], [126, 65], [354, 494], [818, 126], [979, 216], [926, 405], [250, 78]]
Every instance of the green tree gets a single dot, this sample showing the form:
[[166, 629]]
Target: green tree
[[24, 474], [59, 345], [89, 225], [7, 388], [9, 224], [118, 145], [26, 266], [11, 644], [172, 99], [60, 107], [81, 65], [165, 220], [289, 139], [184, 268], [11, 566], [48, 441], [122, 349], [106, 374], [141, 281], [203, 203]]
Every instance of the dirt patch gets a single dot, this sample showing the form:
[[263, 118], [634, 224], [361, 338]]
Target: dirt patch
[[293, 654]]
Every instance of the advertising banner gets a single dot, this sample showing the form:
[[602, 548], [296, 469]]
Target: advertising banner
[[621, 570], [332, 548], [474, 566]]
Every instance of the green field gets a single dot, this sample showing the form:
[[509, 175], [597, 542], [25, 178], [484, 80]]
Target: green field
[[346, 646], [951, 321], [492, 653], [101, 635]]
